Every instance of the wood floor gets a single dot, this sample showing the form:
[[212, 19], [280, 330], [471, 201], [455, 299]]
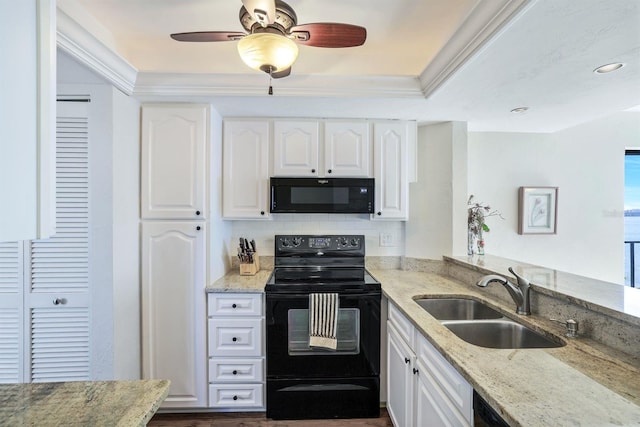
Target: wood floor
[[259, 420]]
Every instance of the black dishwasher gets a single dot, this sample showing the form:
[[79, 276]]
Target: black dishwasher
[[484, 415]]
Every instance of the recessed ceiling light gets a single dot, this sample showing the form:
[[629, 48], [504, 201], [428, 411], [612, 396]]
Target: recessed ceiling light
[[603, 69], [519, 110]]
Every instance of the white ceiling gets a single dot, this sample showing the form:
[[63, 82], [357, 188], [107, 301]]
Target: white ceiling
[[428, 60]]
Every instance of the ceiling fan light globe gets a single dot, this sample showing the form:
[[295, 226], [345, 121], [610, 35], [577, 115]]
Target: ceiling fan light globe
[[263, 50]]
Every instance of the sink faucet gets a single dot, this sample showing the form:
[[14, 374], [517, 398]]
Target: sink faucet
[[519, 292]]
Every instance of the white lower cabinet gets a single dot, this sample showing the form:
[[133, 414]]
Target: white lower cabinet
[[236, 351], [423, 389]]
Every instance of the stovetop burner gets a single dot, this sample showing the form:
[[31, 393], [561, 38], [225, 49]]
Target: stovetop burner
[[326, 263]]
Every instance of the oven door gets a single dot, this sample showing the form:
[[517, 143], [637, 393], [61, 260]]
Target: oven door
[[289, 355]]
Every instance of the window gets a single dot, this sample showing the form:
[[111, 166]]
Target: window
[[632, 216]]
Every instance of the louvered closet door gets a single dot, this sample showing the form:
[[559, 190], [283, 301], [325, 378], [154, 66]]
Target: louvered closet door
[[11, 313], [58, 297]]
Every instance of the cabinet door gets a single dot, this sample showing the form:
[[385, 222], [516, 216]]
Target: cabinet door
[[295, 148], [433, 409], [390, 170], [174, 159], [173, 309], [400, 382], [246, 169], [347, 149]]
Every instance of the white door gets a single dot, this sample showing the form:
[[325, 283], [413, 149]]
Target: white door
[[390, 170], [246, 169], [400, 382], [11, 313], [174, 142], [347, 149], [295, 148], [57, 298], [173, 309]]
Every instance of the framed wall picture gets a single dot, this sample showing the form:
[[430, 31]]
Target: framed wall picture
[[537, 210]]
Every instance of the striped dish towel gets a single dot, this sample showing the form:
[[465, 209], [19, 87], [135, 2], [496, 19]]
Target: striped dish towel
[[323, 320]]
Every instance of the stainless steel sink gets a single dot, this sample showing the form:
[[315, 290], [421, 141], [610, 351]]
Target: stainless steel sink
[[481, 325], [500, 333], [457, 309]]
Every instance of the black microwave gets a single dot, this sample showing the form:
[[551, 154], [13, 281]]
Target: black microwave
[[322, 195]]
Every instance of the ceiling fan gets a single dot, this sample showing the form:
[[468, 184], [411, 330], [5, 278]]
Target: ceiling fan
[[272, 32]]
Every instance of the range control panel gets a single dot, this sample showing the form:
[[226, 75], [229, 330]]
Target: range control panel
[[313, 243]]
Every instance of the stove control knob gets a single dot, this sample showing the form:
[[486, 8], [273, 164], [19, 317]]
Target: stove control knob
[[355, 242], [342, 241], [296, 241], [285, 243]]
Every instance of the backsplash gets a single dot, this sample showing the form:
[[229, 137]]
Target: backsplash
[[263, 231]]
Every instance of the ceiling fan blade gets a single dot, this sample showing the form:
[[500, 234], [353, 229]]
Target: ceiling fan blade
[[281, 74], [263, 11], [208, 36], [329, 34]]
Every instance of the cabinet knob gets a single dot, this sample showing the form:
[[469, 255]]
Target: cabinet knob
[[59, 301], [234, 339], [235, 372], [198, 228], [406, 360], [415, 371], [313, 171], [235, 397], [197, 212], [234, 305], [379, 213], [329, 171], [261, 212]]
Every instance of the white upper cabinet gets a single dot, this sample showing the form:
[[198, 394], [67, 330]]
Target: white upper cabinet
[[174, 159], [295, 148], [390, 170], [27, 119], [298, 149], [347, 149], [246, 169]]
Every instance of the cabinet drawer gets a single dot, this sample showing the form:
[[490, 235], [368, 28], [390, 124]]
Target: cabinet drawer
[[236, 370], [454, 386], [236, 395], [234, 304], [235, 337], [402, 324]]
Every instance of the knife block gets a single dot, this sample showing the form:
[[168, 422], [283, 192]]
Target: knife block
[[250, 269]]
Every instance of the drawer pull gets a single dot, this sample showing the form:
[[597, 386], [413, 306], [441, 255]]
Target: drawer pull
[[406, 360], [235, 372], [234, 339], [235, 397], [415, 371]]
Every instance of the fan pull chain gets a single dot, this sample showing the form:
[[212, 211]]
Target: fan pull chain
[[270, 80]]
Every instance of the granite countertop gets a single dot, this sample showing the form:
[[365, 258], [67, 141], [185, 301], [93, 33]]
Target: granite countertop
[[81, 403], [574, 385], [234, 282], [580, 384]]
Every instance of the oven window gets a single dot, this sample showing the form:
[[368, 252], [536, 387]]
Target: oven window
[[320, 195], [348, 333]]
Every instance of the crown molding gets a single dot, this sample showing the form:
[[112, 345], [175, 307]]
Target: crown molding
[[91, 52], [182, 84], [482, 23]]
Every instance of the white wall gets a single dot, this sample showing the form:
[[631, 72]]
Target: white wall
[[126, 249], [264, 231], [586, 162], [219, 230], [437, 217]]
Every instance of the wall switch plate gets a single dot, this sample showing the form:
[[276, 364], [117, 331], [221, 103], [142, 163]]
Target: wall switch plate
[[387, 239]]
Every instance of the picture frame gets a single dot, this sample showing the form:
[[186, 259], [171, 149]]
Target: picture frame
[[537, 210]]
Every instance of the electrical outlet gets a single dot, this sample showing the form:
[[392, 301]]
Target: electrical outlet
[[387, 239]]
